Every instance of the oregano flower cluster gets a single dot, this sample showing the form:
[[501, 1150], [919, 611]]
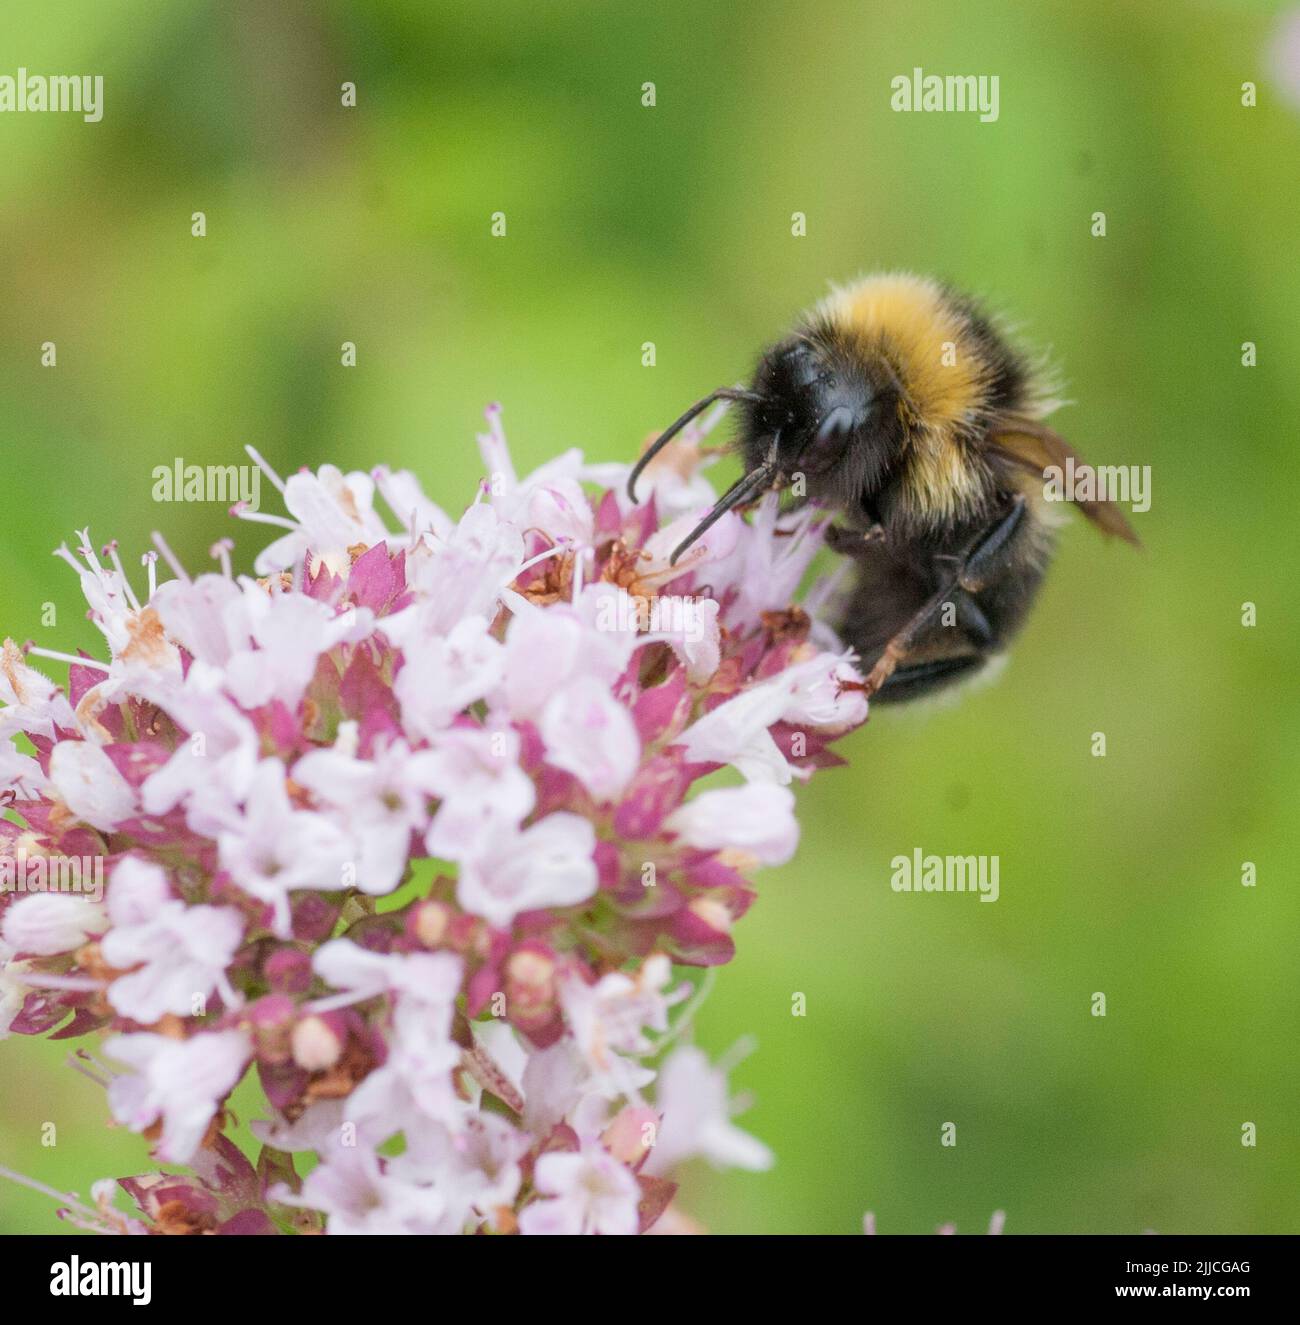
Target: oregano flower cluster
[[408, 825]]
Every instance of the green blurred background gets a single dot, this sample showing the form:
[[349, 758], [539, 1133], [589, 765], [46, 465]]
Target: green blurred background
[[673, 224]]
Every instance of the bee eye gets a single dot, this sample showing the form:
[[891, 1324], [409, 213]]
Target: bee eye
[[824, 444], [804, 367], [839, 420]]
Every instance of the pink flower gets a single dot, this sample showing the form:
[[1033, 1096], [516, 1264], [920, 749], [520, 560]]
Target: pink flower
[[315, 1129], [738, 731], [763, 570], [19, 772], [548, 864], [459, 577], [181, 951], [403, 495], [271, 849], [711, 549], [609, 1019], [379, 802], [12, 989], [87, 782], [431, 978], [691, 626], [590, 734], [33, 703], [476, 1168], [362, 1194], [757, 820], [692, 1097], [482, 791], [547, 650], [589, 1192], [443, 675], [43, 924], [413, 1089], [496, 725], [212, 771], [332, 512], [180, 1081], [207, 616], [289, 632]]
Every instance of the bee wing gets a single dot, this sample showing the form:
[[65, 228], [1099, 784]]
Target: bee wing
[[1028, 446]]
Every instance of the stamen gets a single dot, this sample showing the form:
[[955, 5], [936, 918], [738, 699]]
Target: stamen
[[493, 447], [825, 589], [220, 550], [266, 469], [562, 546], [64, 554], [88, 551], [73, 1061], [381, 476], [150, 559], [517, 603], [335, 1001], [23, 1181], [732, 1059], [170, 558], [79, 983], [694, 1000], [241, 512], [578, 564], [111, 552], [75, 662]]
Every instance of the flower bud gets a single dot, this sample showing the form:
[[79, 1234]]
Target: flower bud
[[429, 923], [316, 1047], [270, 1020], [630, 1137], [50, 923], [531, 993], [713, 913]]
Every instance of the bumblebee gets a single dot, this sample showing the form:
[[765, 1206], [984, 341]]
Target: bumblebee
[[899, 404]]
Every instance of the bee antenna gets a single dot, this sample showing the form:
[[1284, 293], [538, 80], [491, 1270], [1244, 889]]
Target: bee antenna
[[722, 393], [741, 491]]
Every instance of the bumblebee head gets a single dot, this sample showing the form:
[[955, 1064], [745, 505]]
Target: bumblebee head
[[820, 414]]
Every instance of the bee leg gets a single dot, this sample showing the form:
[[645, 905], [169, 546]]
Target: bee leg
[[897, 648], [917, 679], [983, 556], [970, 617], [969, 572], [849, 541]]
